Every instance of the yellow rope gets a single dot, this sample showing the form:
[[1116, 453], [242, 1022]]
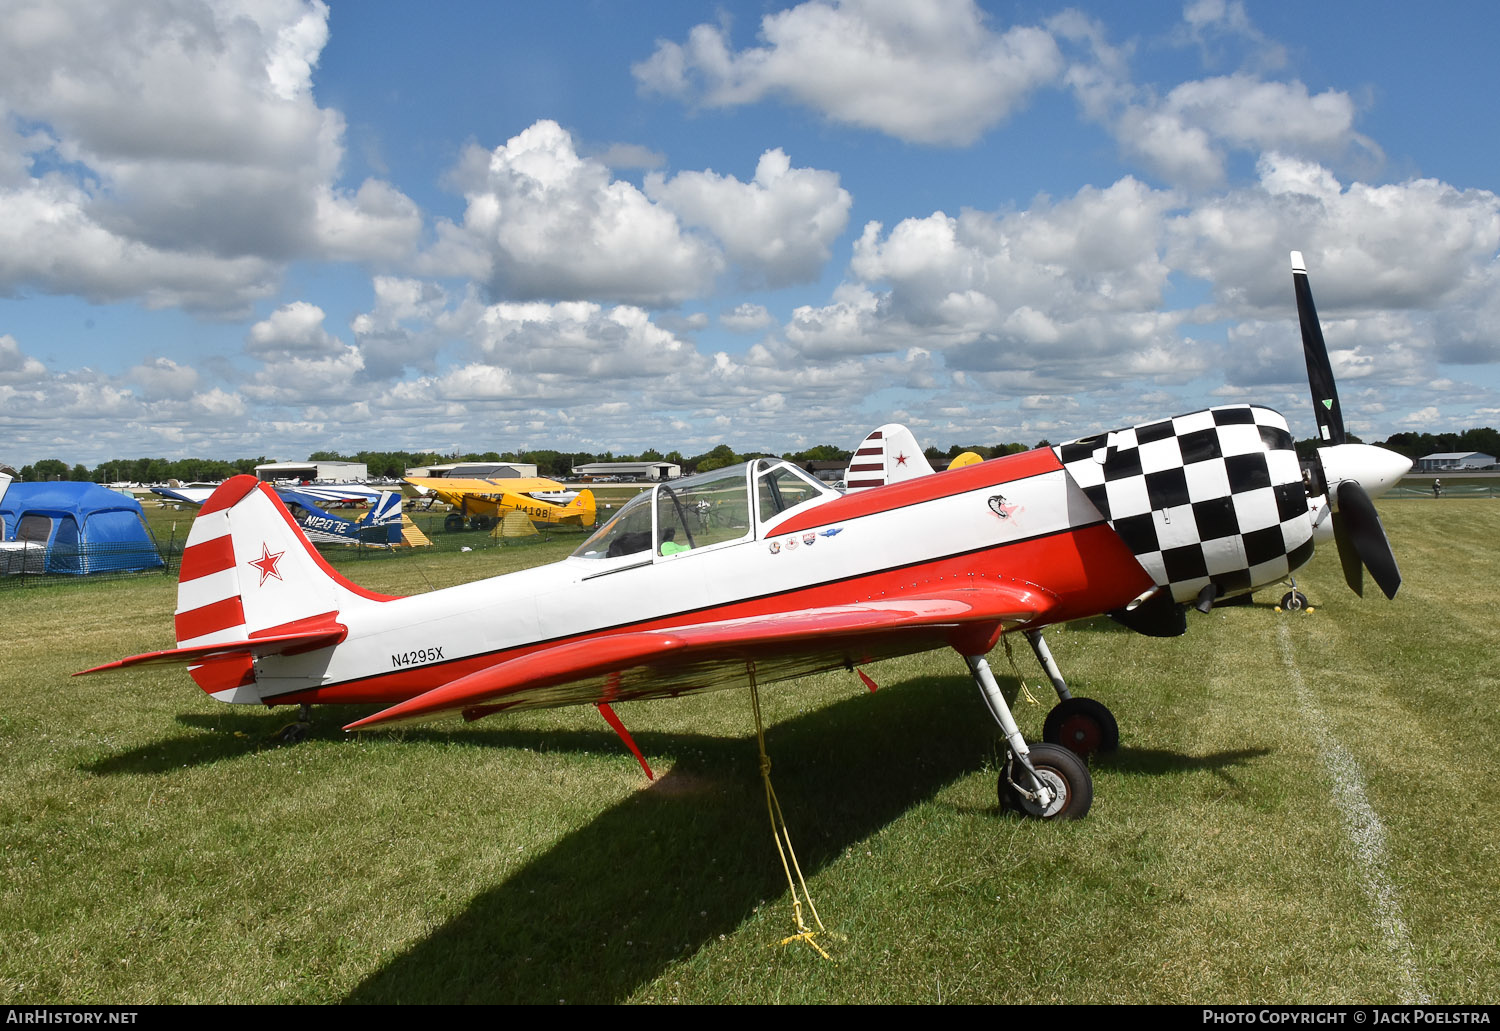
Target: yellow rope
[[1017, 671], [781, 835]]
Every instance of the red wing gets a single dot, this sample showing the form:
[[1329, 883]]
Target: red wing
[[704, 656]]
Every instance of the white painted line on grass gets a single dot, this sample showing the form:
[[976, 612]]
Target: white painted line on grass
[[1364, 829]]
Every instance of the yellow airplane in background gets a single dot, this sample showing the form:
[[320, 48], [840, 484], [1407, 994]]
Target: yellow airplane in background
[[483, 502]]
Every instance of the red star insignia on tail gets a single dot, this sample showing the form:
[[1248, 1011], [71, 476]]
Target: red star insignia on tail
[[900, 459], [267, 564]]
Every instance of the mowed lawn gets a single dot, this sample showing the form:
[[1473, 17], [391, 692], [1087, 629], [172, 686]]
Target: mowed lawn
[[1303, 809]]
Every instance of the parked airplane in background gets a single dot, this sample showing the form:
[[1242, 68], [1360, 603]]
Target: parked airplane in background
[[759, 573], [308, 504], [482, 502]]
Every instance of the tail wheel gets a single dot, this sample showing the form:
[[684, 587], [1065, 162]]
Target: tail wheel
[[1083, 726], [1294, 601], [1060, 771]]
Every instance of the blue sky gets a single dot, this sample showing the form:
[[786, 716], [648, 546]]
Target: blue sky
[[268, 227]]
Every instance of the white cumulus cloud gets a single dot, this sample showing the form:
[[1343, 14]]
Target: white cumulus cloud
[[779, 227], [542, 222], [173, 152], [928, 71]]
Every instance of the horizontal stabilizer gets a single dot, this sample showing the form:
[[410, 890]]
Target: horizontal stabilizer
[[271, 644], [715, 655]]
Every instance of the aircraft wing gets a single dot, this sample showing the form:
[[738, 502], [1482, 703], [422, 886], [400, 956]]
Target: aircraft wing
[[338, 494], [706, 656], [513, 484], [186, 495]]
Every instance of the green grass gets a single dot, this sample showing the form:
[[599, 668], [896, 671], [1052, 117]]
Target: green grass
[[156, 846]]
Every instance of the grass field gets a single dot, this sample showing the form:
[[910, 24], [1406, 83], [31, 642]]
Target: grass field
[[1293, 816]]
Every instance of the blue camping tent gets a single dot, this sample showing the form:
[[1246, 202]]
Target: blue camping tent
[[79, 528]]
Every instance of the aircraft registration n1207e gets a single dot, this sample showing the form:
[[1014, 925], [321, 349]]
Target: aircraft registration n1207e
[[759, 573]]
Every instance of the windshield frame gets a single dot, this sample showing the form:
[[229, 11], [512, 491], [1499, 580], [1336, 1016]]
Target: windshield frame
[[628, 529]]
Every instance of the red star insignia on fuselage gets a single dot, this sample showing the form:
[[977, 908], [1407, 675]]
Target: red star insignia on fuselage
[[900, 459], [267, 564]]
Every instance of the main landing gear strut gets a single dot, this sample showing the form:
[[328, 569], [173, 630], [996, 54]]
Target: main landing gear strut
[[1049, 780], [1081, 725], [1046, 780]]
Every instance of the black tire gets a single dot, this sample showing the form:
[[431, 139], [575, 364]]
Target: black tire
[[453, 523], [1064, 772], [1294, 601], [293, 733], [1083, 726]]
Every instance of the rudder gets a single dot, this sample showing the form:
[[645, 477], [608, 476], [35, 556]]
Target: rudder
[[248, 572]]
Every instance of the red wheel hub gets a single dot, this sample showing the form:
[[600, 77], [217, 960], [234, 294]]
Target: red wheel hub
[[1080, 735]]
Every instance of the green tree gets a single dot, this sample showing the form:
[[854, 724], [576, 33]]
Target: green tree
[[718, 458], [51, 469]]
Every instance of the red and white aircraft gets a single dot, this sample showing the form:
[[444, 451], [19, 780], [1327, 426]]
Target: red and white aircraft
[[758, 573]]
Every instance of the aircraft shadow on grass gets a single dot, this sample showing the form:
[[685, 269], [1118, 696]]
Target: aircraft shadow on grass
[[610, 906]]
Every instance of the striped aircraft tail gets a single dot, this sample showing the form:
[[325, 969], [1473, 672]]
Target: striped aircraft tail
[[888, 455], [250, 584]]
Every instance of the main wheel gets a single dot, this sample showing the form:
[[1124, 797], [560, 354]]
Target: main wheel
[[453, 522], [1083, 726], [1060, 770], [1294, 601]]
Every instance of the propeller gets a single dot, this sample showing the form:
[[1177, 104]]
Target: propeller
[[1349, 474]]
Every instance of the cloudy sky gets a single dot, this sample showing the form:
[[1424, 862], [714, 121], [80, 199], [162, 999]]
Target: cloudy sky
[[242, 227]]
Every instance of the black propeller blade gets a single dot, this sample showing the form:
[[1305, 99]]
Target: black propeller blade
[[1354, 569], [1362, 525], [1325, 394], [1356, 526]]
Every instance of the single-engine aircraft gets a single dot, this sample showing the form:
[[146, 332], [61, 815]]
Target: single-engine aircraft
[[482, 502], [759, 573], [380, 526]]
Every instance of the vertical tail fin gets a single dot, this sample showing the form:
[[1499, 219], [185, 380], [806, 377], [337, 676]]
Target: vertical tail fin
[[248, 572], [888, 455], [580, 511]]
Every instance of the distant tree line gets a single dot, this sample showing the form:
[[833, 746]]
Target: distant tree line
[[1415, 445], [394, 464], [142, 470]]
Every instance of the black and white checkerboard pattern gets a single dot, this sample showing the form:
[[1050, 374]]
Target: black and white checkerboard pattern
[[1211, 497]]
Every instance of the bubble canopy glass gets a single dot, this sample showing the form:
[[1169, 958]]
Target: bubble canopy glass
[[709, 510]]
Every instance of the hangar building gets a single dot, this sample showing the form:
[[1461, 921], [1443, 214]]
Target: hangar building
[[1454, 461], [315, 472], [629, 470]]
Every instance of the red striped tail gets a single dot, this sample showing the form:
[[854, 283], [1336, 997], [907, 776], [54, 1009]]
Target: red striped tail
[[249, 573], [888, 455]]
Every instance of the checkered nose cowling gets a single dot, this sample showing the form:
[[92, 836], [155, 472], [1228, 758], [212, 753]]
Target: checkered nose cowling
[[1211, 497]]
